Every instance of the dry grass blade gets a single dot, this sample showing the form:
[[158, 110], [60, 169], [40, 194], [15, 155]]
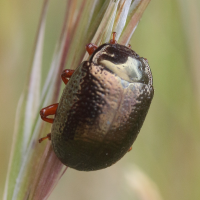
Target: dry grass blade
[[15, 156], [121, 17], [137, 11], [58, 58], [80, 33], [33, 90], [104, 30], [28, 105], [50, 168]]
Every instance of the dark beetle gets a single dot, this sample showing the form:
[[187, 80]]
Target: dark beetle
[[102, 108]]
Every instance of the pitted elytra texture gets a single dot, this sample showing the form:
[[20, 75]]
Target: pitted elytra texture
[[102, 108]]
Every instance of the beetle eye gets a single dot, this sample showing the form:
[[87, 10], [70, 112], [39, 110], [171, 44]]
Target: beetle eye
[[123, 62]]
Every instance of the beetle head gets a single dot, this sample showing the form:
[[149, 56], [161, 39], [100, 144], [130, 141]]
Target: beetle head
[[123, 62]]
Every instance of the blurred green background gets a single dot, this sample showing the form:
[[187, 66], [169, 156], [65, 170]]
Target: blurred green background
[[167, 149]]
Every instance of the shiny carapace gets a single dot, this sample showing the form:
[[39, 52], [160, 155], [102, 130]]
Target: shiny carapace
[[102, 108]]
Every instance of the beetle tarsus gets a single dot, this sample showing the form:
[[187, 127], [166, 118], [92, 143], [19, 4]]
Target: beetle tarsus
[[49, 110], [130, 149], [113, 41], [67, 73], [90, 48], [44, 138]]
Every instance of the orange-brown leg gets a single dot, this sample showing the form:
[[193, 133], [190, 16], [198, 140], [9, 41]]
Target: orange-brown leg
[[90, 48], [129, 46], [130, 149], [47, 137], [67, 73], [113, 41], [49, 110]]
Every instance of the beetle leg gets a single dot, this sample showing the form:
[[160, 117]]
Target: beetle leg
[[113, 41], [67, 73], [90, 48], [49, 110], [130, 149], [47, 137], [129, 46]]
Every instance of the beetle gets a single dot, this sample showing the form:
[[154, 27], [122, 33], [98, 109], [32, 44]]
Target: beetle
[[102, 108]]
